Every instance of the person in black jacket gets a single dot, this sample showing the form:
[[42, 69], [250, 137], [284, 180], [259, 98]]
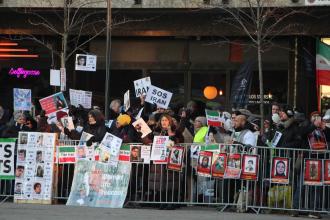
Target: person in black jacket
[[95, 126], [19, 125]]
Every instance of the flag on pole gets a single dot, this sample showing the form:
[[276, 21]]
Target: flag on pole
[[322, 67], [214, 118]]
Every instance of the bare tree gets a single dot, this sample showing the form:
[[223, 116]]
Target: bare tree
[[261, 21]]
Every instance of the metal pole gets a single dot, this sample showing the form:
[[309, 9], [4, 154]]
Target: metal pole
[[107, 61]]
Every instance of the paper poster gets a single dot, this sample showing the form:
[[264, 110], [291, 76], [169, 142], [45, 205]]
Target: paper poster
[[67, 122], [22, 99], [204, 163], [276, 139], [127, 103], [141, 86], [313, 172], [81, 97], [140, 154], [34, 169], [280, 170], [55, 77], [85, 62], [317, 140], [233, 168], [84, 138], [53, 103], [84, 152], [141, 126], [110, 144], [214, 118], [7, 152], [250, 167], [158, 151], [158, 96], [326, 173], [176, 156], [219, 165], [63, 79], [97, 184]]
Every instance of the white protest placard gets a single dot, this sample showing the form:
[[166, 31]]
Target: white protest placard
[[141, 86], [141, 126], [111, 144], [67, 122], [81, 97], [63, 79], [85, 62], [158, 96], [158, 151], [127, 102], [7, 148], [22, 99], [145, 154], [55, 77]]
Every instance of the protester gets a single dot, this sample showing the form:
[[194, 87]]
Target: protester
[[19, 125], [200, 129], [124, 130]]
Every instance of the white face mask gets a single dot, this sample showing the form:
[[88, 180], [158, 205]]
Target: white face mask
[[276, 118]]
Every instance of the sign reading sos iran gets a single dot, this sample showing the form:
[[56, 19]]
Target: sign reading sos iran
[[158, 96], [7, 147]]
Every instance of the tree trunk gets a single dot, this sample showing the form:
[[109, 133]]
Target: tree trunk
[[261, 87]]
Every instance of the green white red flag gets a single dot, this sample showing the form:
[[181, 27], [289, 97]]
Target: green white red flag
[[214, 118], [322, 66]]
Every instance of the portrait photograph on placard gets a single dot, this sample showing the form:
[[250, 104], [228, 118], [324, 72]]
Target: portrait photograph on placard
[[219, 165], [233, 168], [326, 172], [250, 167], [280, 170], [135, 155], [317, 140], [204, 163], [23, 138], [175, 160], [313, 172]]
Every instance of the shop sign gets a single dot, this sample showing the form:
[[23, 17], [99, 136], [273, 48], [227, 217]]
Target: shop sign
[[23, 73]]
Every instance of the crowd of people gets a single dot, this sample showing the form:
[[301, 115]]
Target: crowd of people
[[187, 124]]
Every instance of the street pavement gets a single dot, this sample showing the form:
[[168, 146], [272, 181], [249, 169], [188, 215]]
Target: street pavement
[[11, 211]]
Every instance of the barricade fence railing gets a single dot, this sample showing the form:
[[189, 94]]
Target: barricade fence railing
[[275, 178]]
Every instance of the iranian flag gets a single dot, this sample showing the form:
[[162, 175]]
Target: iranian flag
[[322, 67], [66, 154], [214, 118]]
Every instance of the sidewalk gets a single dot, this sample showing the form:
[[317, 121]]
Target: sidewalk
[[10, 211]]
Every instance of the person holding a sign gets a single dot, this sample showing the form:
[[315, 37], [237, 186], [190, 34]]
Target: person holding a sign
[[166, 127], [125, 130]]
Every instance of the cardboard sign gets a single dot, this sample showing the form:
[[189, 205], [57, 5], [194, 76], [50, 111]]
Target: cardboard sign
[[22, 99], [53, 103], [7, 148], [81, 97], [55, 78], [158, 96], [127, 102], [85, 62], [280, 170], [141, 86]]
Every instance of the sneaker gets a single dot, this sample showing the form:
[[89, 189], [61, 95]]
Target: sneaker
[[314, 215], [294, 214]]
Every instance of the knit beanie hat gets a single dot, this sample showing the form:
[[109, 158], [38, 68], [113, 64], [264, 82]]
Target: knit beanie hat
[[123, 119], [288, 111], [202, 120]]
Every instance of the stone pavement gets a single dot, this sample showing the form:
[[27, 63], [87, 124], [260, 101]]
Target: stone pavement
[[11, 211]]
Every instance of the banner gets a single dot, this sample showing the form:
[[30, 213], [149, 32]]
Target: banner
[[214, 118], [7, 148], [97, 184], [158, 151], [34, 169], [85, 62], [241, 86], [141, 86], [53, 103], [22, 99], [158, 96], [80, 97]]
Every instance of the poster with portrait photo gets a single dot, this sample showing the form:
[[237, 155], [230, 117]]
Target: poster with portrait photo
[[135, 154], [67, 122], [111, 144], [313, 172], [176, 157], [53, 103], [250, 167], [317, 140], [233, 168], [39, 172], [280, 170], [219, 165], [141, 126], [85, 62], [204, 163], [23, 138], [326, 172]]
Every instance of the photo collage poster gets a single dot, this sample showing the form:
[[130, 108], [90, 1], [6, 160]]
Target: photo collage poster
[[34, 169]]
